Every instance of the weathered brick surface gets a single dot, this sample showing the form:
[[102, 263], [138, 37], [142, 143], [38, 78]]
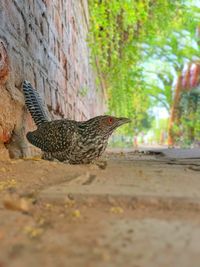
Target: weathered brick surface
[[46, 44]]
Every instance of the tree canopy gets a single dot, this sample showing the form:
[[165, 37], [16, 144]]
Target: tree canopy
[[139, 48]]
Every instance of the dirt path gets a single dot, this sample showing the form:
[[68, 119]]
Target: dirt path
[[141, 210]]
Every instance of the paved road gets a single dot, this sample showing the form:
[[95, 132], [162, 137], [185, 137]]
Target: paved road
[[142, 210]]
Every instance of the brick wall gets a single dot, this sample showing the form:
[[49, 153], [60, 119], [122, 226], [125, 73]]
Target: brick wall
[[46, 44]]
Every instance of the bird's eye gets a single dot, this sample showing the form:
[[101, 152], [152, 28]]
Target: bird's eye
[[110, 121]]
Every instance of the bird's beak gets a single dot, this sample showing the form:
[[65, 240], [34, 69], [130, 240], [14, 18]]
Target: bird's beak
[[122, 121]]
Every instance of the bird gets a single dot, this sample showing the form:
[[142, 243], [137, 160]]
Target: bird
[[75, 142]]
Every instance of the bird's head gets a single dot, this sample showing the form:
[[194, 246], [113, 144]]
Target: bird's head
[[105, 125]]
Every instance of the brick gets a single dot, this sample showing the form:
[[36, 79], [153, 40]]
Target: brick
[[16, 23], [29, 75], [58, 23], [51, 40], [39, 83], [17, 62], [44, 28], [2, 15], [53, 98]]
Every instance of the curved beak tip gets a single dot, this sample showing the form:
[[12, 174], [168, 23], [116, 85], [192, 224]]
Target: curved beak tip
[[128, 120]]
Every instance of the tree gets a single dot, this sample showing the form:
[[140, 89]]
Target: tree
[[140, 46]]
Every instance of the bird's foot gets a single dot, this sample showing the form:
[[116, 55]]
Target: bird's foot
[[102, 164]]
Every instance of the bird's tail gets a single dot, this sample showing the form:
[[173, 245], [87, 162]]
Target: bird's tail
[[35, 104]]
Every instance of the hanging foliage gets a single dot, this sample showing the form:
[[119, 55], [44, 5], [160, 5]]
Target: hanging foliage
[[126, 34]]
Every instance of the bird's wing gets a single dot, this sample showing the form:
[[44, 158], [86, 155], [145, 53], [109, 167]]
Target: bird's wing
[[54, 136]]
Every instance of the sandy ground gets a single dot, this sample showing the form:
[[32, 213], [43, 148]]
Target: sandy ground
[[141, 210]]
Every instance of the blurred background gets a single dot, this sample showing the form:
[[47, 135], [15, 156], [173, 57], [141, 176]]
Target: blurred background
[[148, 55]]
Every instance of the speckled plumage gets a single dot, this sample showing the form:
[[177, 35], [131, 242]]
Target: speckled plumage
[[68, 140]]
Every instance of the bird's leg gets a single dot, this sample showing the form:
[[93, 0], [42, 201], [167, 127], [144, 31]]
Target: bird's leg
[[102, 164]]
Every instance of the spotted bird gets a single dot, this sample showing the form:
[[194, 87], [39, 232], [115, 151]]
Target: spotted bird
[[77, 142]]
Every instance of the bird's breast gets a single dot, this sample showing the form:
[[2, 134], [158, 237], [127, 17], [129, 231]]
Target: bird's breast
[[86, 149]]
